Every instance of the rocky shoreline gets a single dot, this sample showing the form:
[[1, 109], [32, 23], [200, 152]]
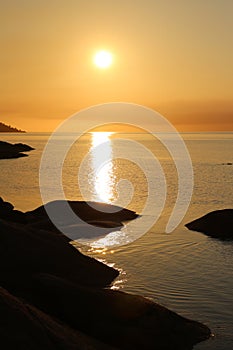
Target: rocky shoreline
[[54, 297]]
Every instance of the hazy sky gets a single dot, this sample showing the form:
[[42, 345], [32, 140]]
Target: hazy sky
[[175, 56]]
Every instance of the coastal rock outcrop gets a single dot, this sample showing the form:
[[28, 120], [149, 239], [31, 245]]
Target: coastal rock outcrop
[[8, 150], [25, 252], [122, 320], [54, 297], [101, 215], [218, 224], [93, 213], [88, 211], [7, 212], [92, 220], [26, 327]]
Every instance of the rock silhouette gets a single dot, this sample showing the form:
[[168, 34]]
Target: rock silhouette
[[8, 150], [98, 215], [218, 224], [29, 328], [26, 251], [54, 297], [8, 213], [91, 220]]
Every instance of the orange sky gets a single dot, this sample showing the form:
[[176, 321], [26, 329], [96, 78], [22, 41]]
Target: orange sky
[[173, 56]]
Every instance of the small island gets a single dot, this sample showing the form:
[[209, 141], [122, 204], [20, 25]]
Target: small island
[[9, 151]]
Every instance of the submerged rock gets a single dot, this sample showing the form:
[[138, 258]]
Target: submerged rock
[[217, 224], [8, 150]]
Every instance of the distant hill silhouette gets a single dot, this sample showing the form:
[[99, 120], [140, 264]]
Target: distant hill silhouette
[[8, 128]]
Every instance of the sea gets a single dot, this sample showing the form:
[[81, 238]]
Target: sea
[[186, 271]]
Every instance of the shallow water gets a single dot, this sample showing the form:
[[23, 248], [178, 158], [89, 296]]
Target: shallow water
[[186, 271]]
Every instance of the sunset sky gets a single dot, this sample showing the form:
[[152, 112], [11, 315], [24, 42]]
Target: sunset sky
[[173, 56]]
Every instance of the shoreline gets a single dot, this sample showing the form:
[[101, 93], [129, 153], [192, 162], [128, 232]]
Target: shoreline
[[44, 270]]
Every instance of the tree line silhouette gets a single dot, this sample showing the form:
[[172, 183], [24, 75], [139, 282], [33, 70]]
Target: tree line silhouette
[[8, 128]]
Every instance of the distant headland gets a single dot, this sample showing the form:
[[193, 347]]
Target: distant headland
[[8, 128]]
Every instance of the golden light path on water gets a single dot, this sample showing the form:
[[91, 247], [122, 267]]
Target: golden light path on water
[[104, 181], [103, 177]]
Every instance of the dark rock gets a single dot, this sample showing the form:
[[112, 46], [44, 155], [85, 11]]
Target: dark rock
[[93, 215], [64, 293], [8, 151], [22, 147], [122, 320], [5, 207], [217, 224], [89, 212], [8, 213], [23, 326], [11, 155], [25, 251], [96, 219]]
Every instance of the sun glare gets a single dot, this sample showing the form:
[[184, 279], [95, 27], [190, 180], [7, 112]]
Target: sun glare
[[103, 59], [103, 176]]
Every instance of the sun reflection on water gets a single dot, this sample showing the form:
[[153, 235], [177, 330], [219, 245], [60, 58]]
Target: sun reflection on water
[[103, 178], [103, 184]]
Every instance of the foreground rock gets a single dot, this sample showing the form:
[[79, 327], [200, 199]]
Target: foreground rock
[[217, 224], [25, 252], [122, 320], [8, 213], [29, 328], [8, 151], [53, 295]]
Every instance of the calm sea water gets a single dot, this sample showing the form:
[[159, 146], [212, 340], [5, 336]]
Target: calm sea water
[[185, 271]]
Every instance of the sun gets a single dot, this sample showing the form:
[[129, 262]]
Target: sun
[[103, 59]]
